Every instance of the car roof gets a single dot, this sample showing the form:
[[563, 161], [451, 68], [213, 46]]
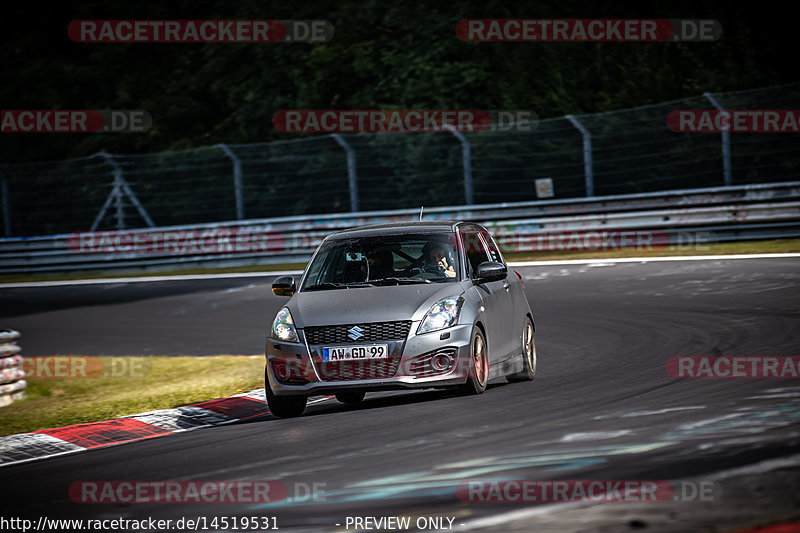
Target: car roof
[[395, 228]]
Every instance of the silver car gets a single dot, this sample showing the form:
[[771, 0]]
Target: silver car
[[398, 306]]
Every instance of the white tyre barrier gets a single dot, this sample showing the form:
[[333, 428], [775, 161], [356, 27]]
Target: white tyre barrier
[[12, 382], [8, 335]]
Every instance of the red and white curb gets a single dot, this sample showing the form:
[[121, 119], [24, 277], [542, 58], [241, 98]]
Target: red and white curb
[[24, 447]]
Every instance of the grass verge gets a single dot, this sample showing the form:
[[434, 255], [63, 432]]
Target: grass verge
[[741, 247], [61, 276], [159, 383], [773, 246]]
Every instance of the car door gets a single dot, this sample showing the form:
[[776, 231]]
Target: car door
[[507, 308], [494, 296], [516, 302]]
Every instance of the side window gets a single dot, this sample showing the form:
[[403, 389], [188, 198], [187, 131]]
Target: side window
[[475, 250], [327, 266], [494, 251], [313, 274]]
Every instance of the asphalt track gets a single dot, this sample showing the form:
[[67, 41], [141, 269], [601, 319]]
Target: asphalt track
[[602, 406]]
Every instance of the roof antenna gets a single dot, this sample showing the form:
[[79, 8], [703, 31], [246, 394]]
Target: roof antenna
[[420, 212]]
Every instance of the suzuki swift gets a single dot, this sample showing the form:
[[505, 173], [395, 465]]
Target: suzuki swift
[[398, 306]]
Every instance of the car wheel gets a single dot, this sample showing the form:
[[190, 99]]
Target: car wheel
[[478, 365], [528, 354], [284, 407], [350, 397]]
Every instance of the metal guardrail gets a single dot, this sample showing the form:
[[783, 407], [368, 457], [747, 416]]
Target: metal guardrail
[[730, 213]]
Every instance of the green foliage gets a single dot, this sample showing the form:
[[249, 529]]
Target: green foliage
[[383, 55]]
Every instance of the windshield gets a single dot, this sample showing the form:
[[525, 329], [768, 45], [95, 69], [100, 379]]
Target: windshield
[[384, 260]]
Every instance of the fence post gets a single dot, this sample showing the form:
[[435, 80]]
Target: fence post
[[237, 179], [6, 207], [588, 172], [352, 175], [726, 144], [118, 202], [466, 158], [119, 189]]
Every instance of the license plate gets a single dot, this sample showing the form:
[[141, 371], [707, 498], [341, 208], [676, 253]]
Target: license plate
[[355, 353]]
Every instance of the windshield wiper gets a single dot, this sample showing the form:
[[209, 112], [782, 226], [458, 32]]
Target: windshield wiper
[[399, 281], [324, 286], [330, 285]]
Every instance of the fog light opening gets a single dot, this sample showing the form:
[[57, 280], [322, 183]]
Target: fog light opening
[[441, 362], [280, 370]]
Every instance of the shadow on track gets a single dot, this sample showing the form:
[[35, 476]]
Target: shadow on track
[[369, 404]]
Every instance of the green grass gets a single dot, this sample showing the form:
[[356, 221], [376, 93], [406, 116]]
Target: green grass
[[742, 247], [726, 248], [61, 276], [166, 382]]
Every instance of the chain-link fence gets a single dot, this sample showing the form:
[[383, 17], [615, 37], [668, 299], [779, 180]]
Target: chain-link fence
[[618, 152]]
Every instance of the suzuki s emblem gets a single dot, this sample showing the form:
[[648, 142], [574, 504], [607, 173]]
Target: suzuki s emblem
[[355, 333]]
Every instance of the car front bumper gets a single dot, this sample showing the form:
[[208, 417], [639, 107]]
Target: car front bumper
[[410, 367]]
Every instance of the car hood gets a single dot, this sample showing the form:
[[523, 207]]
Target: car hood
[[368, 304]]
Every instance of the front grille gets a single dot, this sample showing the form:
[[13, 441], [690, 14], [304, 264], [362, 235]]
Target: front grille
[[349, 370], [375, 332]]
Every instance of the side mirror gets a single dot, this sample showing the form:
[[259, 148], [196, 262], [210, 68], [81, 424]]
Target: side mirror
[[490, 271], [284, 286]]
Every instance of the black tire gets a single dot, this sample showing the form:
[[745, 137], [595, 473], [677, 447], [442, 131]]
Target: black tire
[[350, 398], [529, 359], [478, 365], [284, 406]]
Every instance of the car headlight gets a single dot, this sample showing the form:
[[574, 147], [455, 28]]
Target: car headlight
[[283, 326], [443, 314]]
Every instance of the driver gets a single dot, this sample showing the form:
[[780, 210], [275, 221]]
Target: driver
[[436, 260]]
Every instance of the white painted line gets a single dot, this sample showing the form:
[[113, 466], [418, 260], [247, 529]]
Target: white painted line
[[634, 414], [148, 279], [766, 465], [775, 396], [597, 261], [594, 435], [709, 421], [493, 521]]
